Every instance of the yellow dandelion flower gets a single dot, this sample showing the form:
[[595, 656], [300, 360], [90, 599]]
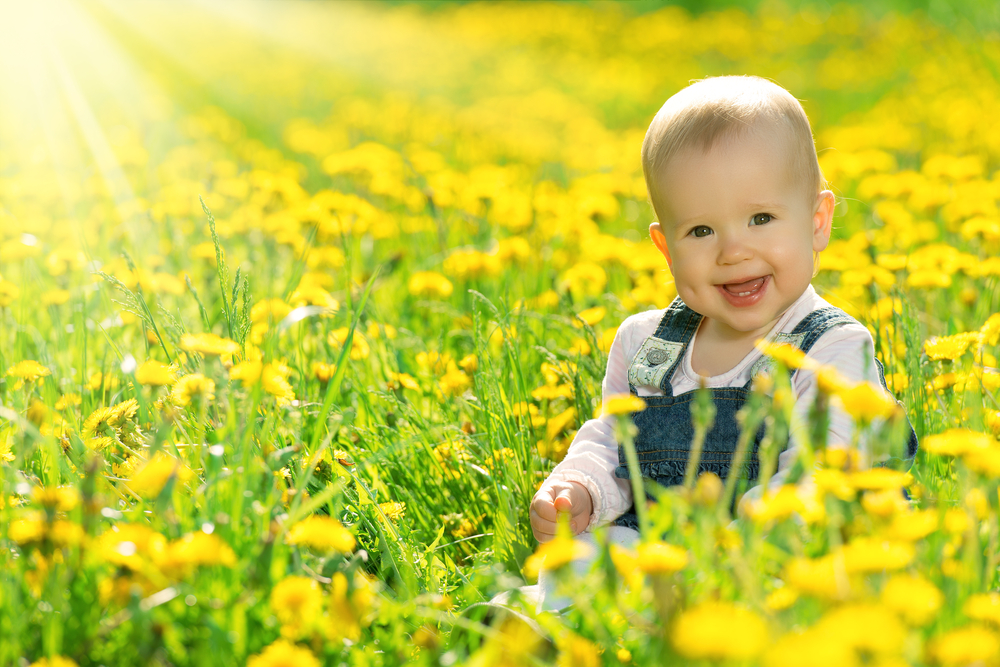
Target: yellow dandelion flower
[[950, 347], [970, 645], [153, 476], [788, 355], [884, 503], [131, 545], [622, 404], [67, 400], [983, 461], [865, 402], [865, 555], [469, 363], [912, 597], [781, 598], [155, 373], [879, 479], [191, 386], [28, 371], [321, 533], [397, 380], [359, 346], [59, 498], [983, 607], [8, 293], [822, 649], [56, 661], [660, 558], [867, 628], [54, 297], [554, 554], [430, 284], [196, 549], [297, 602], [99, 423], [592, 316], [27, 530], [273, 309], [956, 442], [912, 526], [550, 392], [575, 651], [209, 344], [283, 653], [820, 577], [392, 510], [454, 382], [719, 631]]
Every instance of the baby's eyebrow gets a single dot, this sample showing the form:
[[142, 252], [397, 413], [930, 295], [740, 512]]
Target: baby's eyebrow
[[765, 205]]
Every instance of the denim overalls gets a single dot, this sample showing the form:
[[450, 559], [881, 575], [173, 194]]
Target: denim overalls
[[665, 428]]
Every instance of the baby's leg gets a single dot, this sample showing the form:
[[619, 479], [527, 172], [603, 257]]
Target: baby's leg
[[548, 599]]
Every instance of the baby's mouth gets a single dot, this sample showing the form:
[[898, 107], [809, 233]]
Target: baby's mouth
[[745, 288]]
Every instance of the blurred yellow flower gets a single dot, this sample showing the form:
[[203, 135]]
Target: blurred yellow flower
[[788, 355], [194, 550], [950, 347], [621, 404], [283, 653], [719, 631], [59, 498], [28, 370], [68, 400], [54, 297], [454, 382], [155, 373], [865, 402], [403, 380], [552, 555], [956, 442], [56, 661], [592, 316], [781, 598], [150, 479], [867, 628], [879, 478], [469, 363], [430, 284], [209, 344], [970, 645], [983, 607], [870, 554], [359, 346], [912, 526], [321, 533], [191, 386], [912, 597], [660, 558]]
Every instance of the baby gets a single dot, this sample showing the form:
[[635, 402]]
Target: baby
[[742, 212]]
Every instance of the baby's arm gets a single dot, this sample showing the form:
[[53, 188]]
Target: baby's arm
[[589, 465]]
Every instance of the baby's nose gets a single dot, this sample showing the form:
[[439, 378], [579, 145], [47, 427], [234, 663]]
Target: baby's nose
[[735, 248]]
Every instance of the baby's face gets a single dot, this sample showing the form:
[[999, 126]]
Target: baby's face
[[739, 231]]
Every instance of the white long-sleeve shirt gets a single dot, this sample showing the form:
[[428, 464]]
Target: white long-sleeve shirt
[[593, 456]]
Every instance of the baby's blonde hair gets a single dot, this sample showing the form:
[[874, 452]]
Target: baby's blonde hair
[[727, 107]]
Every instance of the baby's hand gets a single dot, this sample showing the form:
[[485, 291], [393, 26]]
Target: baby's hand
[[557, 498]]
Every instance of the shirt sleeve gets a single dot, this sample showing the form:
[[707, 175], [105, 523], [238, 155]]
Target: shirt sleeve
[[593, 455], [851, 351]]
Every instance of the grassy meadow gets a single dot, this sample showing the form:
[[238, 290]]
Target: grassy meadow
[[300, 302]]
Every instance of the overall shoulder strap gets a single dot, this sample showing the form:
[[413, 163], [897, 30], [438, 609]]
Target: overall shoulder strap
[[817, 323]]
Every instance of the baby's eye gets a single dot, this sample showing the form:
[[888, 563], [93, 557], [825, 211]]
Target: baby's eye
[[760, 219], [700, 230]]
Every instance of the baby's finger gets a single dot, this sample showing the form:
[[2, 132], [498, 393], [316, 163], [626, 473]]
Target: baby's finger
[[544, 508], [564, 501]]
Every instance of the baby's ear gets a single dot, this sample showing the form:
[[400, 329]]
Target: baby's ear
[[823, 219], [660, 241]]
